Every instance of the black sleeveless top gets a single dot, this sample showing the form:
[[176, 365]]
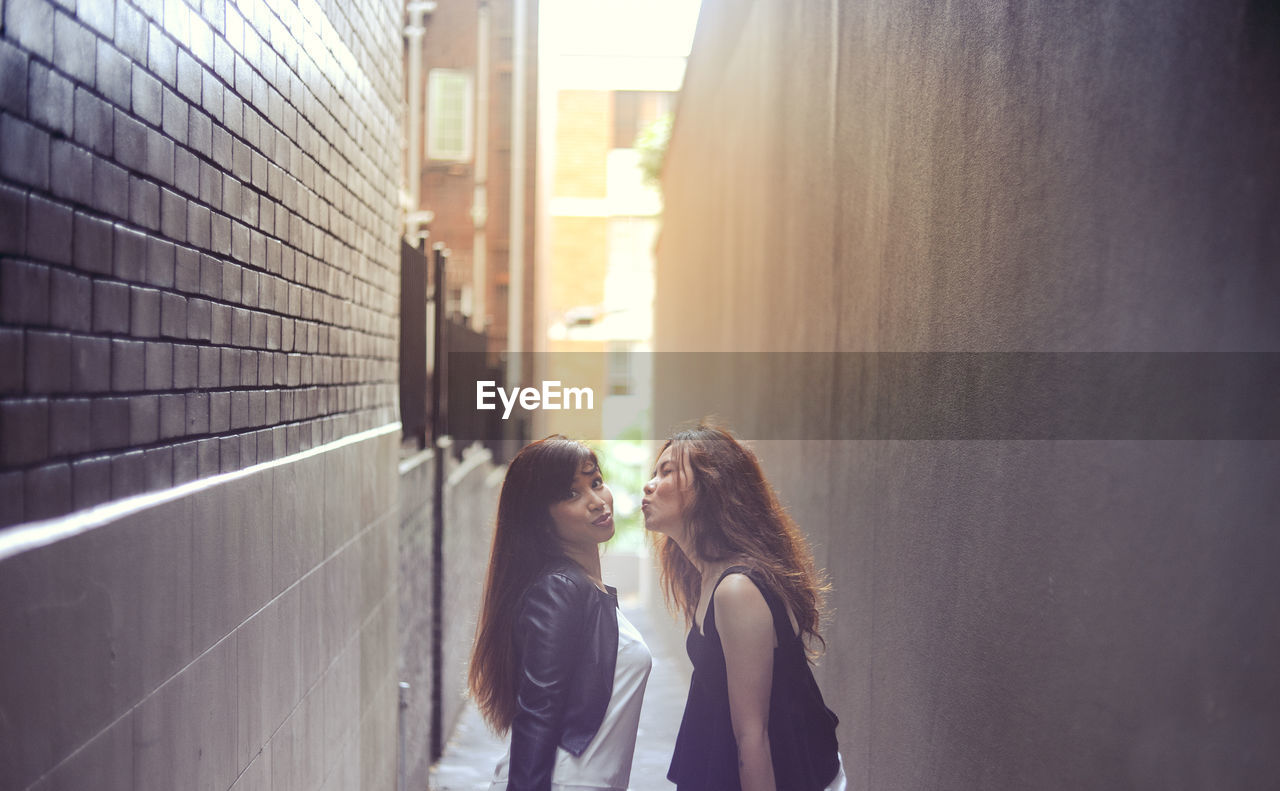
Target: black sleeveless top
[[802, 730]]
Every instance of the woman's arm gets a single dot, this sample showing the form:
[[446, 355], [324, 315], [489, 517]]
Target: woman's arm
[[548, 635], [746, 634]]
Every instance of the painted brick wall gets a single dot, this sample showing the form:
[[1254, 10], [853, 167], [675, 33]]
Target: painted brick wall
[[198, 284], [197, 228]]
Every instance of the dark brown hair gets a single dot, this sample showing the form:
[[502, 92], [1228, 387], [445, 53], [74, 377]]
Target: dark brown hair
[[524, 541], [734, 512]]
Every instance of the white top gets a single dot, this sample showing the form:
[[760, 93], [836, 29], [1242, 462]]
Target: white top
[[606, 763]]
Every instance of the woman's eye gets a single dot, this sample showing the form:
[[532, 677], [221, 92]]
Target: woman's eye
[[597, 483]]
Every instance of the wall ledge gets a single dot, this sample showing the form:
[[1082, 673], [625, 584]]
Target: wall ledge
[[22, 538]]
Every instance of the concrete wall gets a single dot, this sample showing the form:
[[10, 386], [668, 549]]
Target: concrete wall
[[471, 499], [415, 639], [198, 240], [471, 506], [969, 177], [244, 631], [238, 632]]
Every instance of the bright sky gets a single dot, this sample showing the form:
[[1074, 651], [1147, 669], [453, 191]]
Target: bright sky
[[618, 27]]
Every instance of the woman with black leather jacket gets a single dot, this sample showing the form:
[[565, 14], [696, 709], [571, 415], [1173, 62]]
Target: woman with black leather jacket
[[555, 662]]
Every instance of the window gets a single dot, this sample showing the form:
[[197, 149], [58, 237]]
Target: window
[[449, 106]]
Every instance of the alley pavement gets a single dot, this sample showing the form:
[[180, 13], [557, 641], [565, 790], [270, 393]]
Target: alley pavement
[[472, 752]]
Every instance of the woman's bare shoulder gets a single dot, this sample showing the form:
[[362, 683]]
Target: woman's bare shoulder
[[738, 599]]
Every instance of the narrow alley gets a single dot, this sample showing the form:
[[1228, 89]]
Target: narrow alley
[[990, 288]]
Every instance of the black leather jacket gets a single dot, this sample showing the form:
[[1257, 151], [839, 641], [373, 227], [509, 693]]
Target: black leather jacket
[[566, 641]]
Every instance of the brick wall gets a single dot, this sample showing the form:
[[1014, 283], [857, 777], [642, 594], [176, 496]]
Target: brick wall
[[197, 229], [448, 188], [584, 135], [580, 257], [198, 275]]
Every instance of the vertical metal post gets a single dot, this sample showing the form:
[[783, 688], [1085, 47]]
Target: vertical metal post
[[438, 407], [480, 197], [440, 259], [515, 247], [404, 704], [413, 34]]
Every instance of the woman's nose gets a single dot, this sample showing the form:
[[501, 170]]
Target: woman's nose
[[649, 486]]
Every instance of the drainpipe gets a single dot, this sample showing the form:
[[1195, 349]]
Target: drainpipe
[[515, 289], [413, 34], [480, 201], [440, 446]]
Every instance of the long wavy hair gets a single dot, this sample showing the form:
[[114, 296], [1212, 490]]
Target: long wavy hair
[[524, 542], [731, 511]]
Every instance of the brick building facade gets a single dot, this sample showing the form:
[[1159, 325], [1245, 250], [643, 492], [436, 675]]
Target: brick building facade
[[198, 280], [473, 210]]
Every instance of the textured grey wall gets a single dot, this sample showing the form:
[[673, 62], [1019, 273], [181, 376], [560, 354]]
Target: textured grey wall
[[471, 506], [240, 634], [471, 499], [414, 664], [973, 177]]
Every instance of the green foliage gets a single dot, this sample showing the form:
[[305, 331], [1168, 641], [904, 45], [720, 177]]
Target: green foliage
[[626, 462], [626, 479], [652, 145]]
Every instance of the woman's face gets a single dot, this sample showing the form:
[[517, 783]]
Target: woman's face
[[585, 516], [665, 495]]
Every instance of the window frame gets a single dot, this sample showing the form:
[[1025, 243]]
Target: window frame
[[438, 80]]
